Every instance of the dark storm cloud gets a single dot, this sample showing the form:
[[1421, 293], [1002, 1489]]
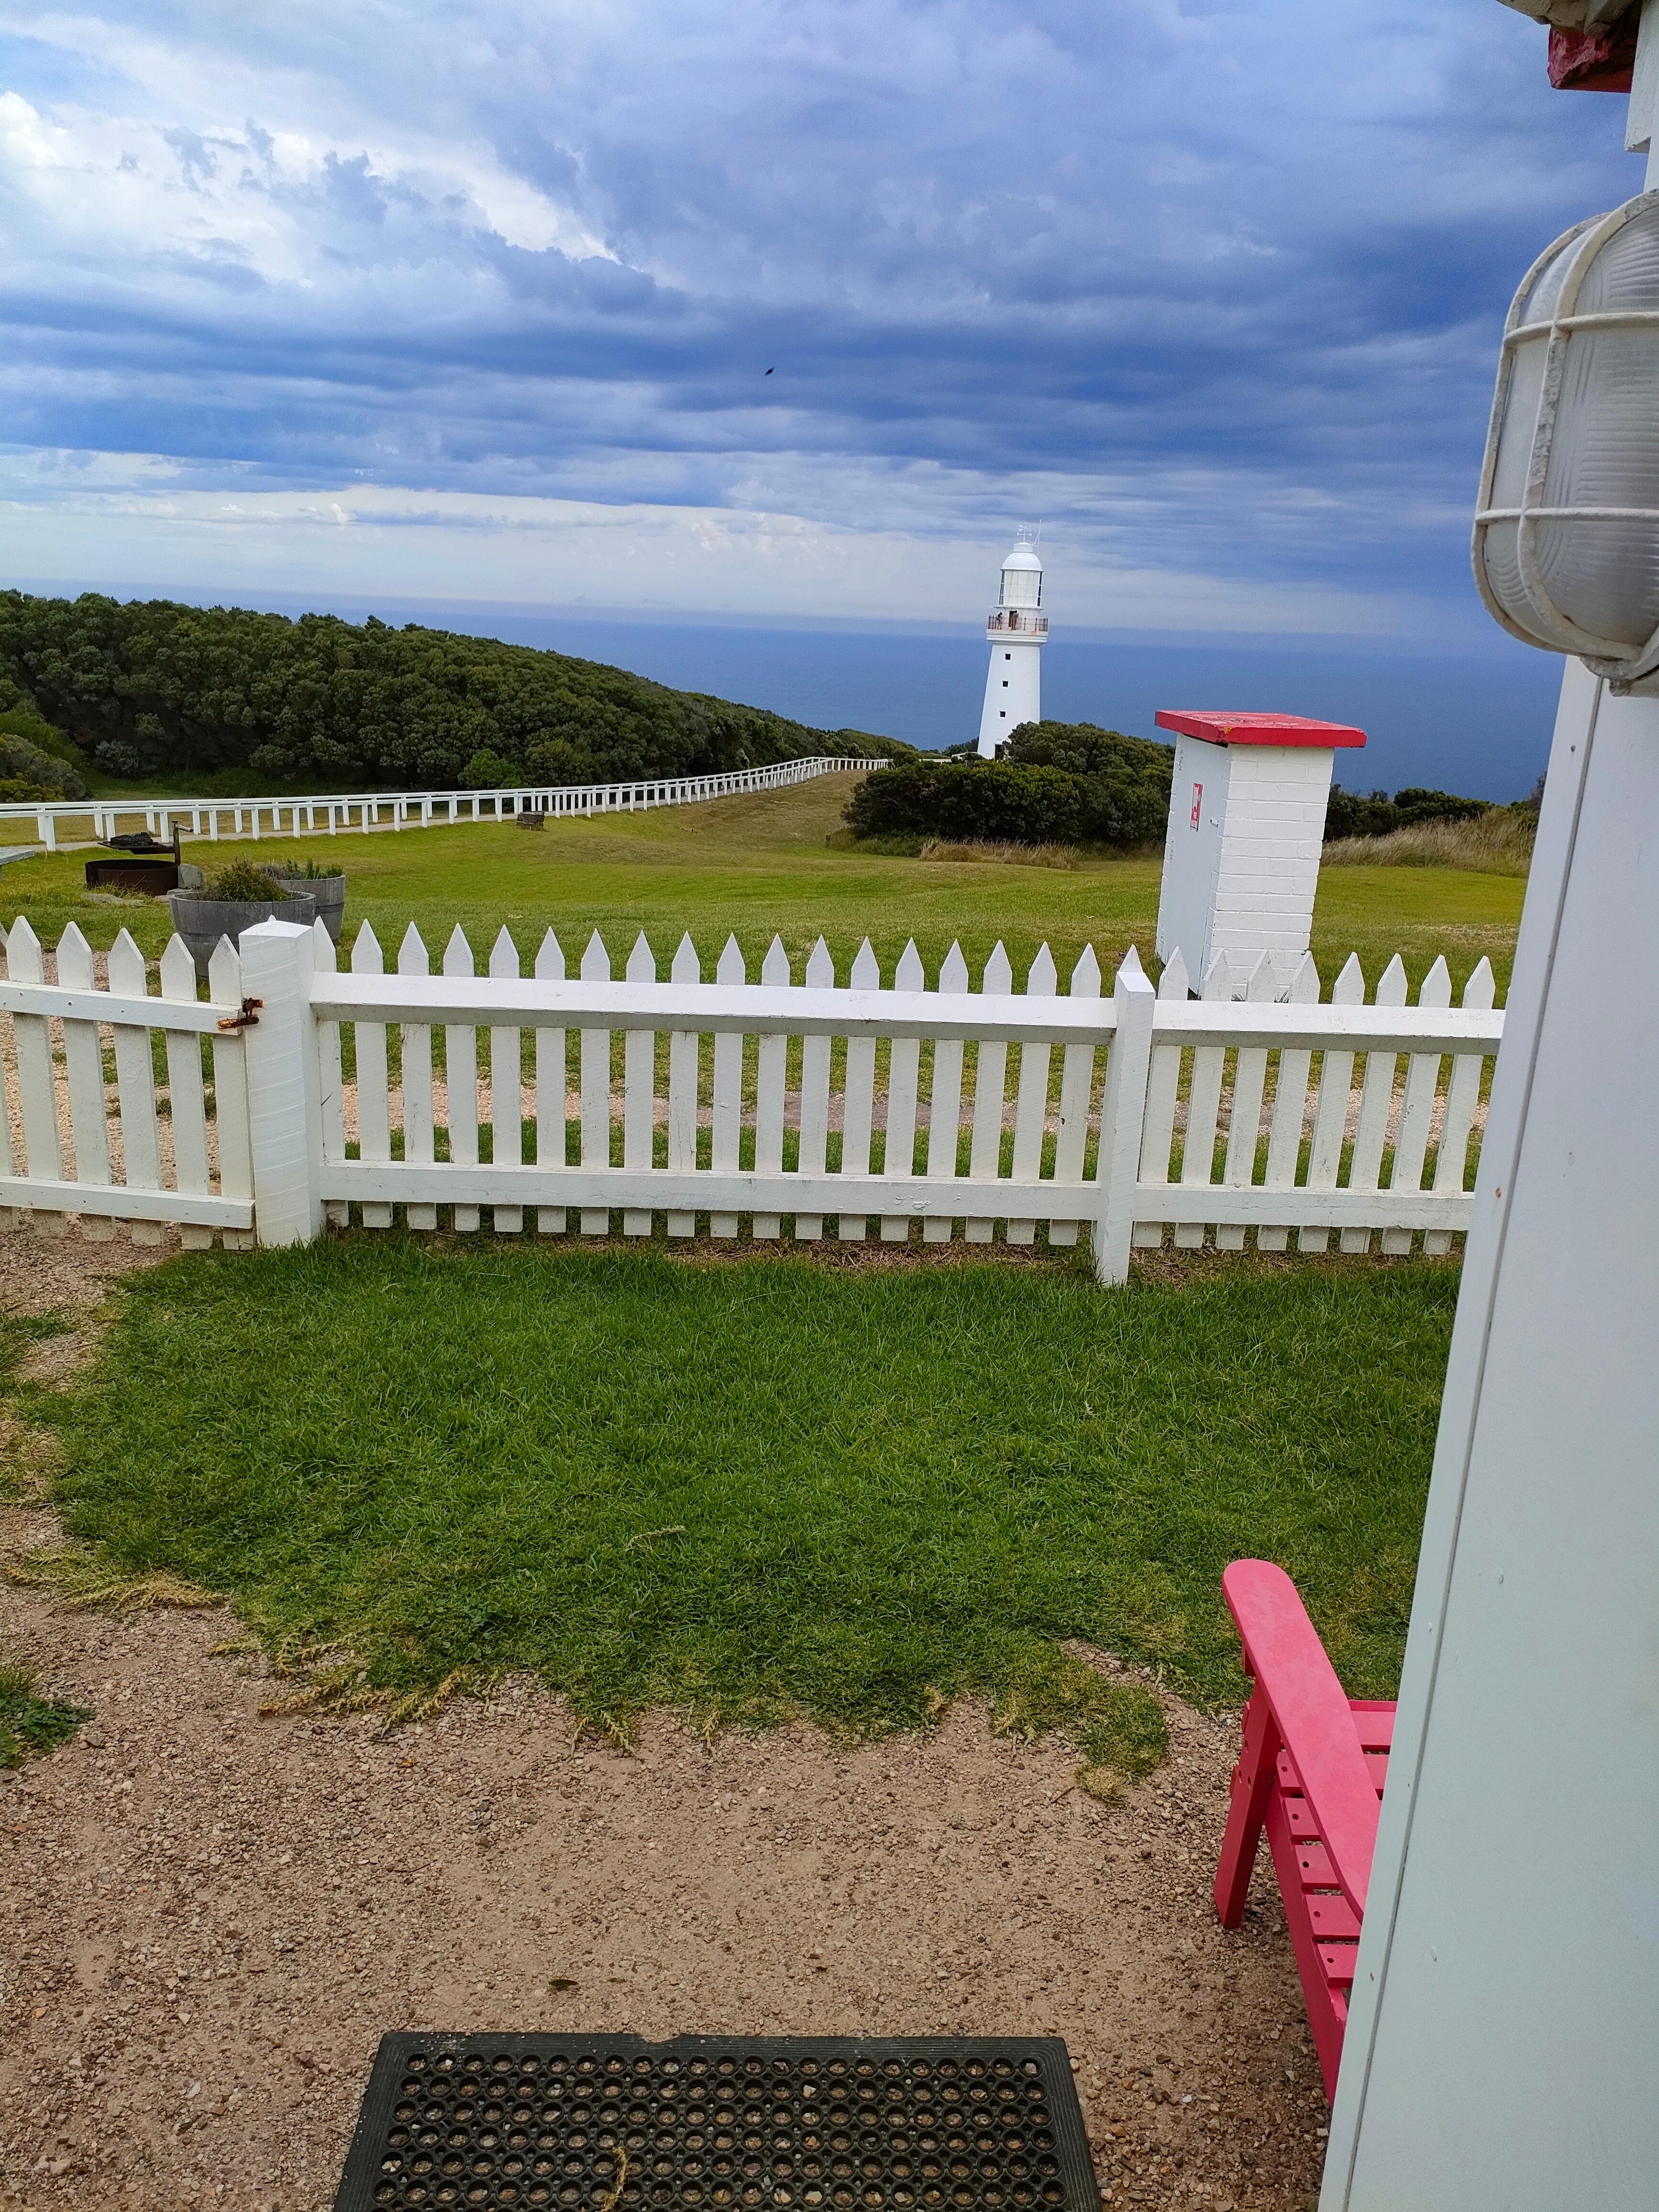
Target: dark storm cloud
[[1223, 284]]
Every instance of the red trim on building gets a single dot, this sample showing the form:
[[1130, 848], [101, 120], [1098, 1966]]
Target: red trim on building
[[1222, 728]]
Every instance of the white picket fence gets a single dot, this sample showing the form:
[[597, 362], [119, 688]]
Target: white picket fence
[[92, 1128], [791, 1102], [403, 809]]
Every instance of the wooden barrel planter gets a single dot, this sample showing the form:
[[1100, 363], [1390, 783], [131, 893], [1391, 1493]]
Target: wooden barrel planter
[[328, 892], [203, 921]]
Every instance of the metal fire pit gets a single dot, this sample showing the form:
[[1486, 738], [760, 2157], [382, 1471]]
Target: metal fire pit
[[609, 2124]]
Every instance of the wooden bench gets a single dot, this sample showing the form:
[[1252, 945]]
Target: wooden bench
[[1310, 1772]]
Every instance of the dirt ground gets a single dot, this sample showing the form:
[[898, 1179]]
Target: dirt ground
[[211, 1916]]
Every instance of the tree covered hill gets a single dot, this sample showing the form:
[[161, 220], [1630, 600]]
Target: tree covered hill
[[149, 688]]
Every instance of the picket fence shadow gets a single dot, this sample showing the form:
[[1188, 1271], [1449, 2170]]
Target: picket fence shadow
[[804, 1106]]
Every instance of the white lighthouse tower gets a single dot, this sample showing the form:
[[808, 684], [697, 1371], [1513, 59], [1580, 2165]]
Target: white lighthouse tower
[[1018, 629]]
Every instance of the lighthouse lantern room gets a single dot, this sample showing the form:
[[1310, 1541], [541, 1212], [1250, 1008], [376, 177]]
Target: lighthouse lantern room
[[1018, 629]]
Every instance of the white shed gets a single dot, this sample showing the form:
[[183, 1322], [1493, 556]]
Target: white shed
[[1246, 821]]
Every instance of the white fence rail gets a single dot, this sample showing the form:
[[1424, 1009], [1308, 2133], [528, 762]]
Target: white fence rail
[[340, 812], [807, 1104]]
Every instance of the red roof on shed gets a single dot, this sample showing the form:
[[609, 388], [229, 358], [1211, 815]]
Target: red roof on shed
[[1224, 729]]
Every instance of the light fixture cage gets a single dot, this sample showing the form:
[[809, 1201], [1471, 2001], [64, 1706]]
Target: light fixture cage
[[1566, 534]]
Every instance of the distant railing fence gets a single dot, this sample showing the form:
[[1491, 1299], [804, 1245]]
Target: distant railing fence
[[338, 811], [791, 1104]]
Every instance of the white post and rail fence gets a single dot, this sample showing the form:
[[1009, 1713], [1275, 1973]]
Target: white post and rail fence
[[334, 813], [806, 1104]]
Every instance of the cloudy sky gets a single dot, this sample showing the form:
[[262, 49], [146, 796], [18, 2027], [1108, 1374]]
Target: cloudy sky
[[478, 302]]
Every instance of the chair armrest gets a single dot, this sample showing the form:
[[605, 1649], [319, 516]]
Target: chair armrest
[[1283, 1651]]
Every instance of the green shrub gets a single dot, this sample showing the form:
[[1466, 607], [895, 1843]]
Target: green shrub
[[1126, 781], [1415, 805], [28, 773], [153, 689], [1350, 814], [488, 771], [241, 881], [115, 757], [1056, 782], [23, 721], [992, 799]]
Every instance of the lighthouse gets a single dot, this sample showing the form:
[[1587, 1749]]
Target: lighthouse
[[1018, 629]]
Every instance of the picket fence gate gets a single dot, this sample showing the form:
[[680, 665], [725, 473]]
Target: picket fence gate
[[792, 1102], [333, 812]]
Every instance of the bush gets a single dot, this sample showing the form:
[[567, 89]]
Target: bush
[[1126, 781], [30, 773], [1349, 815], [1414, 805], [1054, 783], [242, 883], [23, 721], [116, 758], [153, 689], [488, 771], [994, 799]]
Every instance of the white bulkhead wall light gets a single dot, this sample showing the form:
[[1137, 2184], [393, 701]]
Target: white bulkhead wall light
[[1567, 536]]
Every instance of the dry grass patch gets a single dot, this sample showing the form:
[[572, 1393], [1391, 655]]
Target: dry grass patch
[[1496, 843], [994, 849]]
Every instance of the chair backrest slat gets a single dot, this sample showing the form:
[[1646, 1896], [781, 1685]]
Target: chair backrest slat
[[1311, 1710]]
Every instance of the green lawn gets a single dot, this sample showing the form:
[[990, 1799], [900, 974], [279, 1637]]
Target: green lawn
[[766, 1485], [758, 865]]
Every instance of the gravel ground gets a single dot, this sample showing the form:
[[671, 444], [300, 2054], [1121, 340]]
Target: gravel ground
[[211, 1916]]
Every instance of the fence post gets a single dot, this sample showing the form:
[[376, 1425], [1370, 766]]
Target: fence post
[[1123, 1112], [285, 1123]]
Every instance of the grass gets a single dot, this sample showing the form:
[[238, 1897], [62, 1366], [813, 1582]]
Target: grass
[[755, 865], [999, 852], [762, 1488], [29, 1723], [1497, 844]]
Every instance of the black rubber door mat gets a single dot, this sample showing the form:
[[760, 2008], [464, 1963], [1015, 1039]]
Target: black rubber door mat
[[609, 2124]]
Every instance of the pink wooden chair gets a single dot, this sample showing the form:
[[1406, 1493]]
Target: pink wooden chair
[[1310, 1772]]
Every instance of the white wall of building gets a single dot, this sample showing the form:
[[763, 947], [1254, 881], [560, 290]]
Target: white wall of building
[[1502, 2047], [1242, 878], [1016, 629], [1013, 690], [1192, 851], [1269, 871]]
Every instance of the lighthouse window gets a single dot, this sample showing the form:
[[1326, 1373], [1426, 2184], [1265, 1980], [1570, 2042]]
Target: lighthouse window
[[1007, 656], [1005, 683]]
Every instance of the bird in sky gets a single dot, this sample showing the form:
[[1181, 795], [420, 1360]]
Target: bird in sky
[[769, 372]]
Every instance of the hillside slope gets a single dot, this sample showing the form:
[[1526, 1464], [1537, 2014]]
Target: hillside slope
[[151, 688]]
